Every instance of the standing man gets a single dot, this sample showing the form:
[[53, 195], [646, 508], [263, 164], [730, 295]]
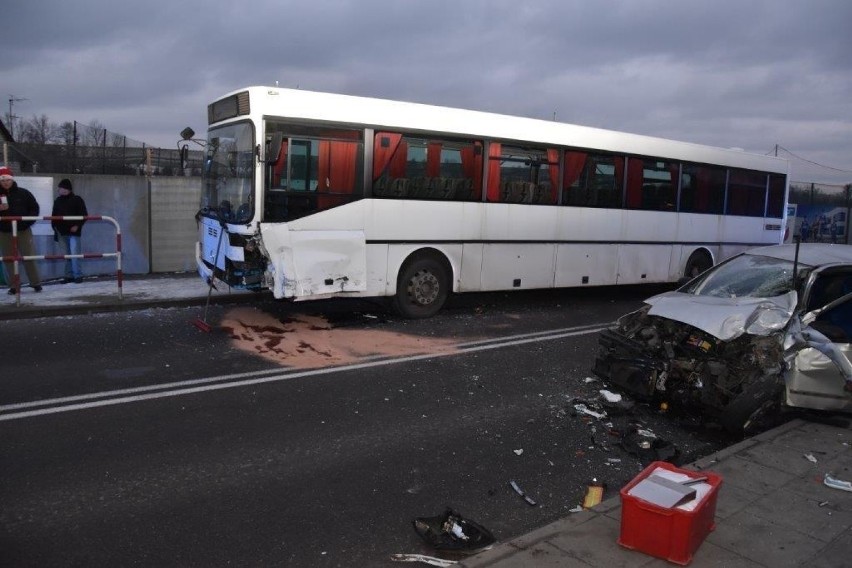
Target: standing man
[[69, 204], [17, 202]]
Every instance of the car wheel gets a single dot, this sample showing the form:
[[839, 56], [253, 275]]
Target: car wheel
[[422, 287], [698, 262], [757, 407]]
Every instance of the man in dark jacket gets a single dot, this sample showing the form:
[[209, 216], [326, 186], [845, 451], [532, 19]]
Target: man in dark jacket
[[17, 202], [69, 204]]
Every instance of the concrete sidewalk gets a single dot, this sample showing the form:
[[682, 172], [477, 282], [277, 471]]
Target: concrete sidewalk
[[773, 510], [102, 294]]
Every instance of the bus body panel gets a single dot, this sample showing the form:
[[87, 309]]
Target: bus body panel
[[582, 265], [314, 264], [509, 266], [470, 275], [358, 248]]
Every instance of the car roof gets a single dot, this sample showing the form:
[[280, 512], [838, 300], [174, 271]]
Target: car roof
[[810, 254]]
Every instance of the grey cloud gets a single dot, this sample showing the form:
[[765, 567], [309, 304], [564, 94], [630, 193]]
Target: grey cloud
[[730, 73]]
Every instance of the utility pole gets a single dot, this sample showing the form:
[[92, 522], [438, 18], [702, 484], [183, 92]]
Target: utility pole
[[12, 100]]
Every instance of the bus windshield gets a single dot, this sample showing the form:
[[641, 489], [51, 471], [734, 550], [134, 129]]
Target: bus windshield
[[226, 191]]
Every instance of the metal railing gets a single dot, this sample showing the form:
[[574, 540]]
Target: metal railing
[[16, 257]]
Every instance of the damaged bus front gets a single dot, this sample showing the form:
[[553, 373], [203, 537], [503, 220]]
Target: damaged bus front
[[263, 180]]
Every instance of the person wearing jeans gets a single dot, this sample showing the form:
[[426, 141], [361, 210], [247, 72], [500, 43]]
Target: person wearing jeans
[[69, 204]]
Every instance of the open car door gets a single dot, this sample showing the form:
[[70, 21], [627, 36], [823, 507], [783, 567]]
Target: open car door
[[814, 380]]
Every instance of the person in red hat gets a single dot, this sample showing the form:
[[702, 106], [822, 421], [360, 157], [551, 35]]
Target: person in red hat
[[16, 201]]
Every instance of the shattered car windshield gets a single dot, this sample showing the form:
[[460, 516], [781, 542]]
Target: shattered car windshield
[[745, 276]]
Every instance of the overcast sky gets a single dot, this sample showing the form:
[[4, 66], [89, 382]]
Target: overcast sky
[[730, 73]]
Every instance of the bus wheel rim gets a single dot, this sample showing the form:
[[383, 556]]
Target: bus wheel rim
[[424, 288]]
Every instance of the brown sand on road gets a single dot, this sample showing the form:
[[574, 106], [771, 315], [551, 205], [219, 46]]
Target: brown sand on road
[[309, 342]]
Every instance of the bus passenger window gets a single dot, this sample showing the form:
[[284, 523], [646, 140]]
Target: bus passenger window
[[593, 180], [747, 193], [652, 184], [411, 167], [702, 189]]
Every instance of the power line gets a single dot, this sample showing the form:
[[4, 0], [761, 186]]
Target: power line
[[777, 147]]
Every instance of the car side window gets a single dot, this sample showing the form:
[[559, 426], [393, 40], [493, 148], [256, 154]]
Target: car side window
[[836, 323], [828, 288]]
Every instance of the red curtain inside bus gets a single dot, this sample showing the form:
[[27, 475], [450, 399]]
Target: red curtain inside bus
[[635, 180], [471, 158], [553, 170], [389, 153], [574, 164], [495, 150], [433, 159], [337, 169]]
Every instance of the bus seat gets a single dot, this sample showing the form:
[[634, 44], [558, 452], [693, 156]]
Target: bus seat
[[441, 188], [399, 187], [380, 186], [418, 187], [543, 195], [463, 189], [515, 192]]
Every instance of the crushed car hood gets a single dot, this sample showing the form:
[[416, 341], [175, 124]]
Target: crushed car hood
[[726, 318]]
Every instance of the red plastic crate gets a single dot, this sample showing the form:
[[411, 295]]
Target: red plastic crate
[[672, 534]]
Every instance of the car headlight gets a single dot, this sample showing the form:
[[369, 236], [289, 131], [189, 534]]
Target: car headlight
[[767, 319]]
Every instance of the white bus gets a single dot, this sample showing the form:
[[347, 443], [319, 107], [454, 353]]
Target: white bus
[[314, 195]]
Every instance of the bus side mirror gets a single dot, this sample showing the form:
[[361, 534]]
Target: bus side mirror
[[274, 148]]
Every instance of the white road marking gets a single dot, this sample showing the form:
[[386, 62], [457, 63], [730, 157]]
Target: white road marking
[[180, 388]]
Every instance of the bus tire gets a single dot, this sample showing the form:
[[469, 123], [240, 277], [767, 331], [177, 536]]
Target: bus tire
[[698, 262], [422, 287]]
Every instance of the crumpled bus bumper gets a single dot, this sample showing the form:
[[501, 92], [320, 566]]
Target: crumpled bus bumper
[[204, 271]]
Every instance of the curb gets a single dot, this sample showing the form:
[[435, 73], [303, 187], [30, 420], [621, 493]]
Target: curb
[[34, 312]]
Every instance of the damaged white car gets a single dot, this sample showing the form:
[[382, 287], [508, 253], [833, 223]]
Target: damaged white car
[[767, 330]]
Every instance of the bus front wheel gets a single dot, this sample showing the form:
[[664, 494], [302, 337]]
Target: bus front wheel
[[422, 288]]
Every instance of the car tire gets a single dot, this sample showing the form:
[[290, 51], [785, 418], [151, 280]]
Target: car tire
[[755, 408], [422, 287]]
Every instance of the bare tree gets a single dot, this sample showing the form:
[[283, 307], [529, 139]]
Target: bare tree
[[94, 133], [38, 130], [66, 134]]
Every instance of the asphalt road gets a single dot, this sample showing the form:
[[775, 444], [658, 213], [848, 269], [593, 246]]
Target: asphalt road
[[134, 439]]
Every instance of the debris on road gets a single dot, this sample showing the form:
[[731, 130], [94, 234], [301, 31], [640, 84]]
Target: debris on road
[[645, 445], [610, 396], [810, 458], [451, 531], [431, 560], [583, 409], [520, 492], [837, 483], [594, 494], [518, 452]]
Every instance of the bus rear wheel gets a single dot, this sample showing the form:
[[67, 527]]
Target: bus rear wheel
[[422, 288], [698, 262]]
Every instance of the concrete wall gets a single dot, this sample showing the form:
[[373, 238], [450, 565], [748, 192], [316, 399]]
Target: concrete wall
[[156, 217]]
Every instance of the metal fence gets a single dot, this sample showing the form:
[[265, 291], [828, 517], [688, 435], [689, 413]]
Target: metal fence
[[88, 150]]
